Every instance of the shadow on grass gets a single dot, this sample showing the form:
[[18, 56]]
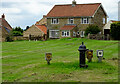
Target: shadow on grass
[[75, 65]]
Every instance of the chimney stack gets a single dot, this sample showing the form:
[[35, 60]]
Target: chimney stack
[[73, 3], [3, 16]]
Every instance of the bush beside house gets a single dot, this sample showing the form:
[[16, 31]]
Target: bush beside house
[[92, 29], [115, 31], [17, 31], [15, 34]]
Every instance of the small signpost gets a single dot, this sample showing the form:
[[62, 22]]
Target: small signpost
[[48, 57], [89, 55], [99, 55]]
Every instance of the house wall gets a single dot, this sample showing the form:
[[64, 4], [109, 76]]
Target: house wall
[[43, 21], [81, 27], [71, 32], [3, 34], [107, 26], [33, 30], [98, 19], [63, 21]]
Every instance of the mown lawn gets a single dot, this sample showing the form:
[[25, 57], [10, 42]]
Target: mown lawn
[[24, 61]]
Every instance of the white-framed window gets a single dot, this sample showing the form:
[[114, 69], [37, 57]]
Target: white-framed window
[[71, 21], [85, 20], [82, 34], [78, 33], [54, 21], [103, 20], [66, 33], [53, 33], [74, 34]]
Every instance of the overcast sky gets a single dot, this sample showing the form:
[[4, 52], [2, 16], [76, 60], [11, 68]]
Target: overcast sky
[[26, 12]]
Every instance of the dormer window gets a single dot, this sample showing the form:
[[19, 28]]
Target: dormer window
[[71, 21], [54, 21], [85, 21]]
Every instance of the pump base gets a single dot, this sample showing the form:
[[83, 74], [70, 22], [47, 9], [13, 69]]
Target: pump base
[[83, 66]]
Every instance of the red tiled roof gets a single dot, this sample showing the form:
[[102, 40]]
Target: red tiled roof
[[42, 28], [5, 23], [67, 27], [76, 11], [114, 21]]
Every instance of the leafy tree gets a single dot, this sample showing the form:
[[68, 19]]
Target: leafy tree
[[115, 30], [27, 28], [17, 31], [92, 29]]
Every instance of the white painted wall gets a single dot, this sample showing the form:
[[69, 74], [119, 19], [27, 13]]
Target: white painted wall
[[107, 26]]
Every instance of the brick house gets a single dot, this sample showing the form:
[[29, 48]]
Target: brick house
[[5, 29], [43, 21], [71, 20], [36, 32]]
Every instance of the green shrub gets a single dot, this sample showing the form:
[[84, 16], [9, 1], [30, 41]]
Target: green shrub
[[92, 29], [9, 39], [17, 31], [115, 31]]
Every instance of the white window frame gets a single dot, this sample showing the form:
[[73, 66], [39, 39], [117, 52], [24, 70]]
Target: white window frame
[[69, 20], [50, 36], [83, 20], [103, 20], [82, 34], [65, 32], [74, 33], [77, 33], [54, 21]]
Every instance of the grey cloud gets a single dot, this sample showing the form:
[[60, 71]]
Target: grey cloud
[[12, 4]]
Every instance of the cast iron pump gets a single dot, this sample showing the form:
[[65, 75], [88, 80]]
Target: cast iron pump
[[82, 49]]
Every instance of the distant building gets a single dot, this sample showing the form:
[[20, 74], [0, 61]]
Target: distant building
[[119, 11], [5, 29], [36, 32], [71, 20], [106, 28], [43, 21]]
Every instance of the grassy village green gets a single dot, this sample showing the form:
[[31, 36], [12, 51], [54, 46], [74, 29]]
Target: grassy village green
[[24, 61]]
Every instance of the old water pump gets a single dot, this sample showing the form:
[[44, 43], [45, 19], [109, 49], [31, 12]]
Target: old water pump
[[82, 49]]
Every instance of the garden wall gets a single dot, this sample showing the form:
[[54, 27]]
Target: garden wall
[[18, 38], [99, 36]]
